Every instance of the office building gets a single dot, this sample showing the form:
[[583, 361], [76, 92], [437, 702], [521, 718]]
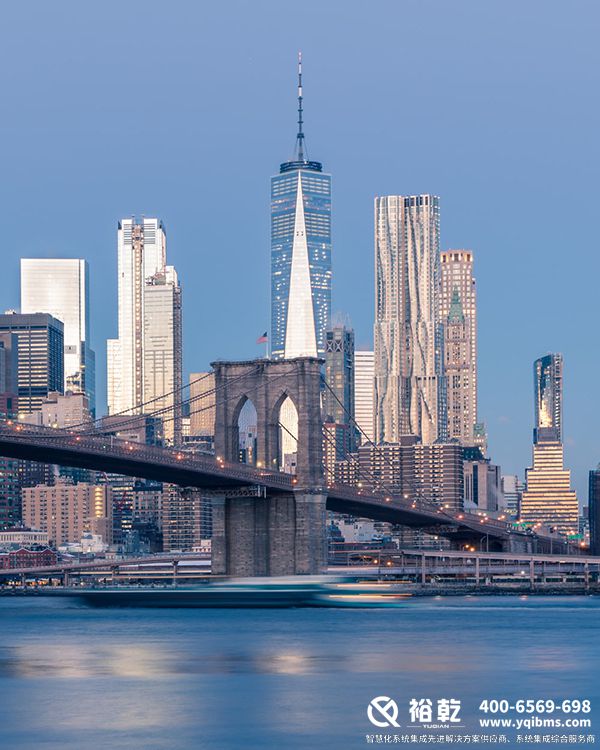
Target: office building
[[145, 362], [594, 510], [482, 482], [40, 356], [458, 316], [512, 491], [300, 252], [548, 387], [364, 383], [548, 498], [60, 287], [202, 404], [186, 518], [66, 511], [409, 394], [338, 397], [70, 410]]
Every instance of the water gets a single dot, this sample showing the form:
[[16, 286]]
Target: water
[[73, 677]]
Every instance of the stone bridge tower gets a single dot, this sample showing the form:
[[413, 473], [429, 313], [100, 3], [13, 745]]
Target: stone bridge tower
[[280, 534]]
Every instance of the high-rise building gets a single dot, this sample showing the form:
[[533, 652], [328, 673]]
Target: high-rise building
[[300, 252], [458, 316], [202, 404], [338, 397], [482, 482], [60, 287], [40, 356], [594, 510], [145, 362], [364, 383], [408, 362], [66, 511], [512, 491], [548, 498], [547, 384]]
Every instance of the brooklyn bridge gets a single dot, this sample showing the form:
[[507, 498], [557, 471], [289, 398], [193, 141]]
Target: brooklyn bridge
[[265, 521]]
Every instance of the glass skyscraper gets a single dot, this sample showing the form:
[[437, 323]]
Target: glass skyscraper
[[547, 384], [300, 252], [60, 287]]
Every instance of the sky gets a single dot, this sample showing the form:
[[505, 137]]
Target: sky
[[184, 110]]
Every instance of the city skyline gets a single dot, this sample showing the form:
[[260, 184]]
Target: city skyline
[[472, 197]]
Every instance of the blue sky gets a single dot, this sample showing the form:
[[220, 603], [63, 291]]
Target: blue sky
[[183, 110]]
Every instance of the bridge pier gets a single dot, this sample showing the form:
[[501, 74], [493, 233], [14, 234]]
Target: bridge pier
[[269, 536]]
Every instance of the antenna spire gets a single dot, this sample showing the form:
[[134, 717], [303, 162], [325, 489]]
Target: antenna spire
[[300, 136]]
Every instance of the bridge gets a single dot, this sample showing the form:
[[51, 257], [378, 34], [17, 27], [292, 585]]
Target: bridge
[[265, 522]]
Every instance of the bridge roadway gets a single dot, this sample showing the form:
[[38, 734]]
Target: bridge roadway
[[407, 562], [213, 474]]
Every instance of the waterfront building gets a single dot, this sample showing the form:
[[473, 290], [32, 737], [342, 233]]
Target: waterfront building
[[40, 356], [364, 382], [60, 287], [338, 397], [548, 498], [186, 518], [409, 393], [300, 252], [145, 362], [21, 536], [458, 316], [66, 511]]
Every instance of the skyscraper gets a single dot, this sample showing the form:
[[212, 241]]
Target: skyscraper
[[547, 383], [145, 362], [458, 316], [364, 380], [60, 287], [338, 398], [300, 252], [408, 362], [548, 498], [40, 357]]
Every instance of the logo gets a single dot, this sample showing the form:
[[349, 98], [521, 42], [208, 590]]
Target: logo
[[383, 712], [421, 711]]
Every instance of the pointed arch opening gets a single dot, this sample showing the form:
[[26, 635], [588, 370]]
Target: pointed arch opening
[[287, 434], [247, 422]]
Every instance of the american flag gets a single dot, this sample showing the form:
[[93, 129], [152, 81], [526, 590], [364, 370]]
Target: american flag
[[262, 339]]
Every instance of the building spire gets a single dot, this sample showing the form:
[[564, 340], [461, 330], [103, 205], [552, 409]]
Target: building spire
[[300, 136]]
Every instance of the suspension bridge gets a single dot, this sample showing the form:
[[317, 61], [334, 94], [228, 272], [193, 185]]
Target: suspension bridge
[[265, 521]]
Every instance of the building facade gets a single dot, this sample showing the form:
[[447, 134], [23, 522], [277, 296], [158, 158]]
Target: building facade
[[548, 390], [66, 511], [300, 252], [40, 357], [409, 396], [548, 498], [202, 404], [145, 362], [60, 287], [338, 397], [594, 510], [364, 384], [458, 315]]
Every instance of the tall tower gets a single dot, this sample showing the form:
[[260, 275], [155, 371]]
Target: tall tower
[[458, 315], [548, 498], [300, 252], [547, 385], [363, 393], [145, 361], [60, 287], [408, 362], [338, 398]]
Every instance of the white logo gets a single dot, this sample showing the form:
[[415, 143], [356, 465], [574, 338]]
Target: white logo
[[384, 707], [420, 710]]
